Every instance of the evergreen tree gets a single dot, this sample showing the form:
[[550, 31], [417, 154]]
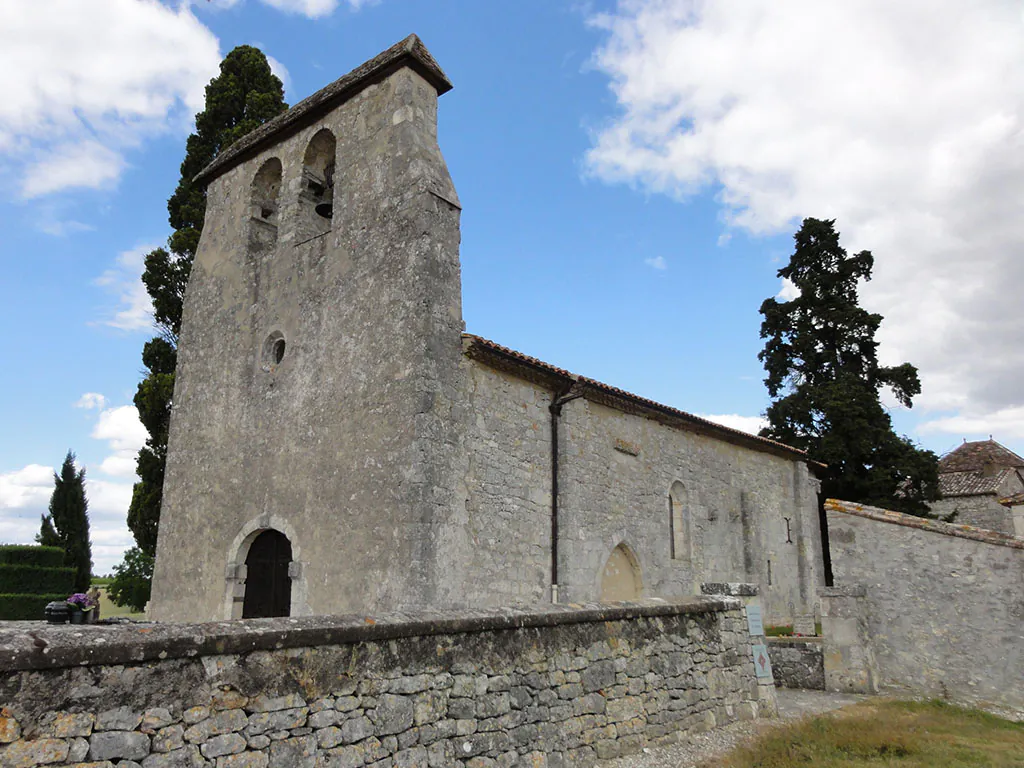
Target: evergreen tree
[[69, 517], [242, 97], [824, 380], [48, 536]]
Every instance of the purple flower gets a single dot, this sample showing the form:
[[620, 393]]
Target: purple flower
[[82, 600]]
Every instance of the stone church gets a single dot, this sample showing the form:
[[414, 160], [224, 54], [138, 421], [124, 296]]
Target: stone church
[[339, 444]]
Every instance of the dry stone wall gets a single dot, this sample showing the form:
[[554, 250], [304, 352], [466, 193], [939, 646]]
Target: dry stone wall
[[555, 687], [942, 605], [797, 662]]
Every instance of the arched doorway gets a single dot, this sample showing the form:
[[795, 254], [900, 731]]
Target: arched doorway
[[621, 577], [268, 587]]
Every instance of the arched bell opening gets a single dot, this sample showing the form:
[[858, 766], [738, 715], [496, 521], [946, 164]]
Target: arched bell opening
[[316, 197], [621, 578], [268, 583], [265, 206]]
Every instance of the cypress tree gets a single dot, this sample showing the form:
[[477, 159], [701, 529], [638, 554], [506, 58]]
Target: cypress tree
[[242, 97], [69, 517], [824, 380]]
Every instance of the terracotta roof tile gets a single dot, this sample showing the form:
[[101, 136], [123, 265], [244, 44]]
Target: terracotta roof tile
[[1013, 501], [598, 391], [975, 456], [971, 483]]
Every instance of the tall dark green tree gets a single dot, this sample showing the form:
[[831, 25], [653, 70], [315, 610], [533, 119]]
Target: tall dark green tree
[[825, 381], [242, 97], [67, 524]]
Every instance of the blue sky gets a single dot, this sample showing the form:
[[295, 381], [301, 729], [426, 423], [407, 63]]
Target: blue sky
[[631, 174]]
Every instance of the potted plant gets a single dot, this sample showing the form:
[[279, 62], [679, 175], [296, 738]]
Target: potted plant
[[80, 606]]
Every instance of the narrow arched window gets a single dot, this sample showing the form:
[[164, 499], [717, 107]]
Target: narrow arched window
[[316, 197], [678, 522], [266, 191], [264, 199]]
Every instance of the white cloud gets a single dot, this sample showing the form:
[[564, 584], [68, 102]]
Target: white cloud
[[134, 310], [280, 70], [25, 493], [26, 487], [658, 262], [751, 424], [1005, 423], [85, 82], [91, 400], [904, 121], [121, 428], [787, 291]]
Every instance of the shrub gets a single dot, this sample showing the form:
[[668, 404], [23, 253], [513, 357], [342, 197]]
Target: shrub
[[35, 580], [26, 607], [132, 580], [30, 554]]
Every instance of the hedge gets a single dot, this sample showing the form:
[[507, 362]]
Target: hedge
[[31, 554], [26, 607], [33, 580]]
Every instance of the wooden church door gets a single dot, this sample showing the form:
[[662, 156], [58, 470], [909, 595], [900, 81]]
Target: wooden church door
[[268, 588]]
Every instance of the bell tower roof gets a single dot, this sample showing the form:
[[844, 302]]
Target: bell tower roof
[[410, 52]]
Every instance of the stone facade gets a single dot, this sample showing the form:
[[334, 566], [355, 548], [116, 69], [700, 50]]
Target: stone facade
[[558, 687], [942, 605], [978, 482], [797, 662], [325, 391], [985, 510]]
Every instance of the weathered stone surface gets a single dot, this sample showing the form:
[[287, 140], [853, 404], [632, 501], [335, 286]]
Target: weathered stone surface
[[10, 730], [25, 754], [356, 729], [78, 748], [262, 703], [294, 753], [939, 611], [111, 745], [523, 691], [168, 739], [227, 744], [243, 760], [186, 757], [155, 719], [797, 663], [119, 719]]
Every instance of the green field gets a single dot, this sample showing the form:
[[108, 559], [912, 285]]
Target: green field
[[108, 609], [885, 733]]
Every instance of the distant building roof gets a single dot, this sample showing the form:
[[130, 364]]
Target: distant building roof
[[979, 456], [972, 483], [1013, 501]]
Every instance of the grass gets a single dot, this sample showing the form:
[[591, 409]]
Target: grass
[[108, 609], [887, 734]]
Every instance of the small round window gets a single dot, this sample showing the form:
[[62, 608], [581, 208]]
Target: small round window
[[274, 349]]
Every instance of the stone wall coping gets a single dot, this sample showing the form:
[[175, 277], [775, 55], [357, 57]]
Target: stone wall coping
[[846, 590], [925, 524], [409, 52], [733, 589], [61, 646]]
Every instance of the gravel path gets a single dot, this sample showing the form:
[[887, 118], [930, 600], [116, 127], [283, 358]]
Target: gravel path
[[793, 704]]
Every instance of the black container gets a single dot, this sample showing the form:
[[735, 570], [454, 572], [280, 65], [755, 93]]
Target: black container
[[56, 612]]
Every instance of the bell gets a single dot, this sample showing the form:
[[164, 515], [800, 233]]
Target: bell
[[325, 209]]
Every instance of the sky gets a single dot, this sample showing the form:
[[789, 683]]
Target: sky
[[631, 173]]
